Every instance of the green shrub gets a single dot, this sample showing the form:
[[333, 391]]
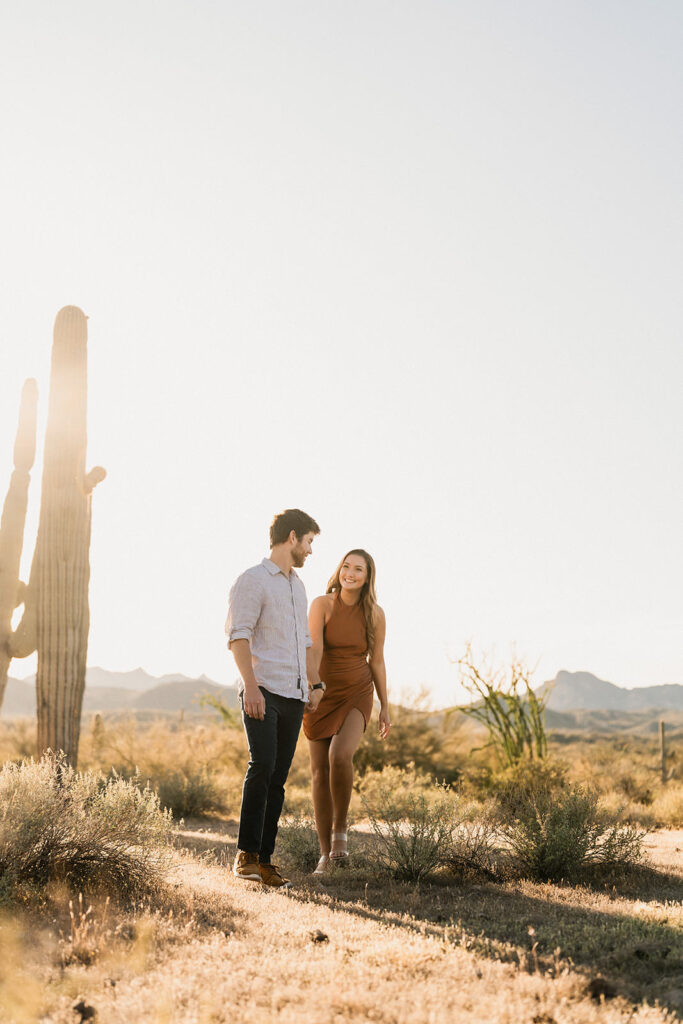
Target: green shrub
[[474, 848], [413, 826], [556, 832], [297, 843], [80, 829], [515, 786], [188, 791]]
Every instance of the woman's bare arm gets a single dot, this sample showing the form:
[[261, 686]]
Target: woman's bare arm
[[379, 672], [317, 617], [316, 625]]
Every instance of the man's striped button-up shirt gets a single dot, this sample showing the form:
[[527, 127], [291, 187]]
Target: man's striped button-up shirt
[[269, 609]]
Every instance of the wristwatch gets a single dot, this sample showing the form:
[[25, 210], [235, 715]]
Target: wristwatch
[[319, 686]]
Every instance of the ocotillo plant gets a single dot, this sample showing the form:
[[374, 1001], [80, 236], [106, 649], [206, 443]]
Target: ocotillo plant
[[12, 525], [511, 711], [56, 615]]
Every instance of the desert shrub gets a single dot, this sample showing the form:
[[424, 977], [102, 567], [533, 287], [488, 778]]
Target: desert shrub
[[78, 828], [474, 847], [413, 825], [404, 782], [634, 788], [554, 832], [297, 842], [188, 791], [430, 742], [195, 769], [515, 786]]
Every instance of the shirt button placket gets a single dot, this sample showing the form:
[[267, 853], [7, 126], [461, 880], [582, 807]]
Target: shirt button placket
[[299, 685]]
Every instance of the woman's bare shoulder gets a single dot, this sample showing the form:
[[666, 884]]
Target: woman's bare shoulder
[[323, 603], [379, 614]]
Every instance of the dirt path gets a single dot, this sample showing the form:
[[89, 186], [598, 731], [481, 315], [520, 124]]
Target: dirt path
[[665, 847]]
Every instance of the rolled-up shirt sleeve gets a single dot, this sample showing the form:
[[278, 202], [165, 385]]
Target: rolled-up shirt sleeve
[[244, 608]]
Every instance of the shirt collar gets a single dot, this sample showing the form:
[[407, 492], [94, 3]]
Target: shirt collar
[[274, 569]]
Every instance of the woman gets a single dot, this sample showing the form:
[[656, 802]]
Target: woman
[[347, 627]]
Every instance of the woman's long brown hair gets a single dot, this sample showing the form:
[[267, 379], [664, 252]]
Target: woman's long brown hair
[[368, 596]]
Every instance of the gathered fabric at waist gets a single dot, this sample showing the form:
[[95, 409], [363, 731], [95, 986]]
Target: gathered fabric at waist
[[345, 668]]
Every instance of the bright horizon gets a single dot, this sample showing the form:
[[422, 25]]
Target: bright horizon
[[412, 268]]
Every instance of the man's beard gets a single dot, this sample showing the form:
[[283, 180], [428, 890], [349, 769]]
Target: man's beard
[[298, 557]]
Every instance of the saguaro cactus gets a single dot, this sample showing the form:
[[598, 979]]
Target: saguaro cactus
[[56, 615], [12, 524]]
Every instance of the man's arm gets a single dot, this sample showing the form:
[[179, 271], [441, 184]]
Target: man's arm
[[254, 701], [244, 610]]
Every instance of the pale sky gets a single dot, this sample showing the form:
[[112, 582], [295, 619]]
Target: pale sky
[[412, 267]]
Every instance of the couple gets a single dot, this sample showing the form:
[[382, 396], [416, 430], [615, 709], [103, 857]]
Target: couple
[[321, 671]]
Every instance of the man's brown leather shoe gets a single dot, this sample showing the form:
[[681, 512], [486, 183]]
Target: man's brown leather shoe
[[270, 876], [246, 866]]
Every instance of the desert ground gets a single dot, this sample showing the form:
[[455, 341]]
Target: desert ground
[[215, 949], [360, 944]]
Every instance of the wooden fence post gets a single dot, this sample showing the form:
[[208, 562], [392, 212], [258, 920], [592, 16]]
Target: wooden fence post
[[662, 743]]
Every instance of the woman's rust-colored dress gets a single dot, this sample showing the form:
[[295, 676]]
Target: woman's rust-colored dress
[[345, 670]]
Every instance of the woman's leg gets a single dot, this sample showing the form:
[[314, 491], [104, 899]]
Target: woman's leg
[[342, 749], [322, 799]]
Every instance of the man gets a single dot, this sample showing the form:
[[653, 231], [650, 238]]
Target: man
[[268, 635]]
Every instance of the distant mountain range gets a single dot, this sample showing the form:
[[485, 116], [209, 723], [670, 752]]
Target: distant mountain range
[[581, 691], [124, 691], [576, 699]]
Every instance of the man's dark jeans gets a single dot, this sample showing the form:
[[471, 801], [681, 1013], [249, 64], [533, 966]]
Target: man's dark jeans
[[272, 743]]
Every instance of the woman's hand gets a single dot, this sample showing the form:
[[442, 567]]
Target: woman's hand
[[314, 698], [384, 722]]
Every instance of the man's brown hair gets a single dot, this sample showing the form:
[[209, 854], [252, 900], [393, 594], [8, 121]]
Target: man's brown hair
[[291, 519]]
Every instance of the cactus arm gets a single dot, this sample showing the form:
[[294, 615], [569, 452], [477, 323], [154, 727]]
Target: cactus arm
[[21, 593], [93, 478], [12, 591], [24, 640]]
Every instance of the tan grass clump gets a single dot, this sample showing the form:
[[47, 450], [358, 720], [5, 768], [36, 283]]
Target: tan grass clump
[[667, 806]]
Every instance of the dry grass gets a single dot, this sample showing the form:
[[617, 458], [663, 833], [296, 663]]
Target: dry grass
[[197, 765], [212, 949], [626, 771], [219, 950]]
